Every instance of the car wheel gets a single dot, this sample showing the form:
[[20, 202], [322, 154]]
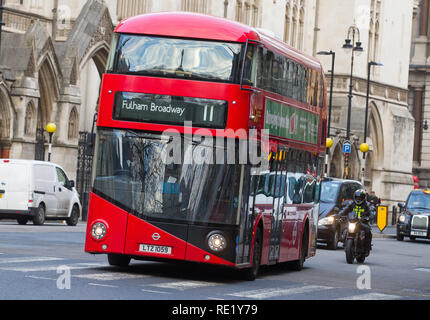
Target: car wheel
[[334, 240], [74, 216], [22, 220], [399, 237], [39, 218]]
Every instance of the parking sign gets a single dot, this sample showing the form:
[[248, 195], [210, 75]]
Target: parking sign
[[346, 147]]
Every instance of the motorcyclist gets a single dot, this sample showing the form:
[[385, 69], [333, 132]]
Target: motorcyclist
[[365, 212]]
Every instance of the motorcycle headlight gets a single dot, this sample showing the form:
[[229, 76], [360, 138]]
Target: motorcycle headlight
[[351, 227], [402, 218], [326, 221]]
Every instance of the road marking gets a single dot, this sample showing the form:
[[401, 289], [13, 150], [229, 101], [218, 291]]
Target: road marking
[[102, 285], [110, 276], [372, 296], [155, 291], [275, 292], [54, 268], [184, 285], [423, 269], [28, 259], [40, 278]]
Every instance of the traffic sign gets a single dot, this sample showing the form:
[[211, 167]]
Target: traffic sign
[[346, 148], [382, 217]]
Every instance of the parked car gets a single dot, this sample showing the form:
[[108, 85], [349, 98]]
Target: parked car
[[332, 229], [37, 191], [414, 216]]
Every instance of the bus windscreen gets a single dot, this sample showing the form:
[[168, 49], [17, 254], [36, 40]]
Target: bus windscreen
[[132, 172]]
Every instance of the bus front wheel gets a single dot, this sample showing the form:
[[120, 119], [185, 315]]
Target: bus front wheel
[[251, 273], [118, 260]]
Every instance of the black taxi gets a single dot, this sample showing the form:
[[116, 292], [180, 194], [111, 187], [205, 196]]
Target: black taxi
[[414, 216]]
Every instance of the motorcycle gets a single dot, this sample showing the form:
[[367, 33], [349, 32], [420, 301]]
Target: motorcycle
[[355, 244]]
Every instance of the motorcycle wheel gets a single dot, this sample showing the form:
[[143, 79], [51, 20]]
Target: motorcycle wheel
[[349, 244]]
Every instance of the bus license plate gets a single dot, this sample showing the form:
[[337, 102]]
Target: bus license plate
[[155, 249], [1, 195], [419, 233]]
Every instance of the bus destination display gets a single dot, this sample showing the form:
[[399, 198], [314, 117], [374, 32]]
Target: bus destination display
[[142, 107]]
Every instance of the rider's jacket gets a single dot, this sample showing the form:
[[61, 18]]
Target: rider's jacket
[[364, 210]]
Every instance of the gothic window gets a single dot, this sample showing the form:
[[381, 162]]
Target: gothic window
[[287, 24], [238, 10], [30, 116], [371, 31], [301, 28], [247, 12], [129, 8], [73, 124], [255, 10], [195, 6], [294, 31]]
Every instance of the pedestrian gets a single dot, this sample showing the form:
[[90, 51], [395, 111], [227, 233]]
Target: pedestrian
[[375, 201]]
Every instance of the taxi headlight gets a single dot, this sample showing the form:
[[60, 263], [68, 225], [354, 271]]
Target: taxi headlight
[[217, 242], [98, 230], [351, 227], [402, 218]]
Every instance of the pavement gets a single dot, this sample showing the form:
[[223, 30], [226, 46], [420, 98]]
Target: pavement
[[388, 232]]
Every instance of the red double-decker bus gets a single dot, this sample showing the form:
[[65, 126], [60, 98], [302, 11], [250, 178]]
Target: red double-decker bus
[[183, 101]]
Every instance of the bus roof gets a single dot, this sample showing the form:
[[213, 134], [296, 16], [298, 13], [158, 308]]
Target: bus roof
[[201, 26]]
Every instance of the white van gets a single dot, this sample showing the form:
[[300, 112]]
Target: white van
[[37, 191]]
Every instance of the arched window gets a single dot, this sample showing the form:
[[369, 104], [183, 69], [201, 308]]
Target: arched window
[[238, 10], [129, 8], [370, 51], [73, 124], [30, 116], [247, 13], [294, 31], [301, 28], [255, 10], [287, 24]]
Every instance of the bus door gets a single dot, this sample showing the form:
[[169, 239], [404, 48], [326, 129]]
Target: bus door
[[276, 184], [245, 213]]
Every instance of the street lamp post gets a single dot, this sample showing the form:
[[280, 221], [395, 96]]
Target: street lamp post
[[333, 57], [364, 146], [51, 128], [353, 31], [1, 19], [329, 142]]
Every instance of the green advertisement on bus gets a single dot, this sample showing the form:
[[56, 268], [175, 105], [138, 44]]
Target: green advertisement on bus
[[287, 122]]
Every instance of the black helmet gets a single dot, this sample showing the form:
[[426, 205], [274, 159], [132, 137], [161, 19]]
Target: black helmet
[[360, 196]]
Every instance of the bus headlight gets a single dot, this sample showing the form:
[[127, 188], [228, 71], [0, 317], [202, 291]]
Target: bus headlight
[[217, 242], [98, 231], [351, 227], [402, 218]]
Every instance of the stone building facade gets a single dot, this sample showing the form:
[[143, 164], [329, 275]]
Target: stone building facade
[[53, 53], [419, 90]]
